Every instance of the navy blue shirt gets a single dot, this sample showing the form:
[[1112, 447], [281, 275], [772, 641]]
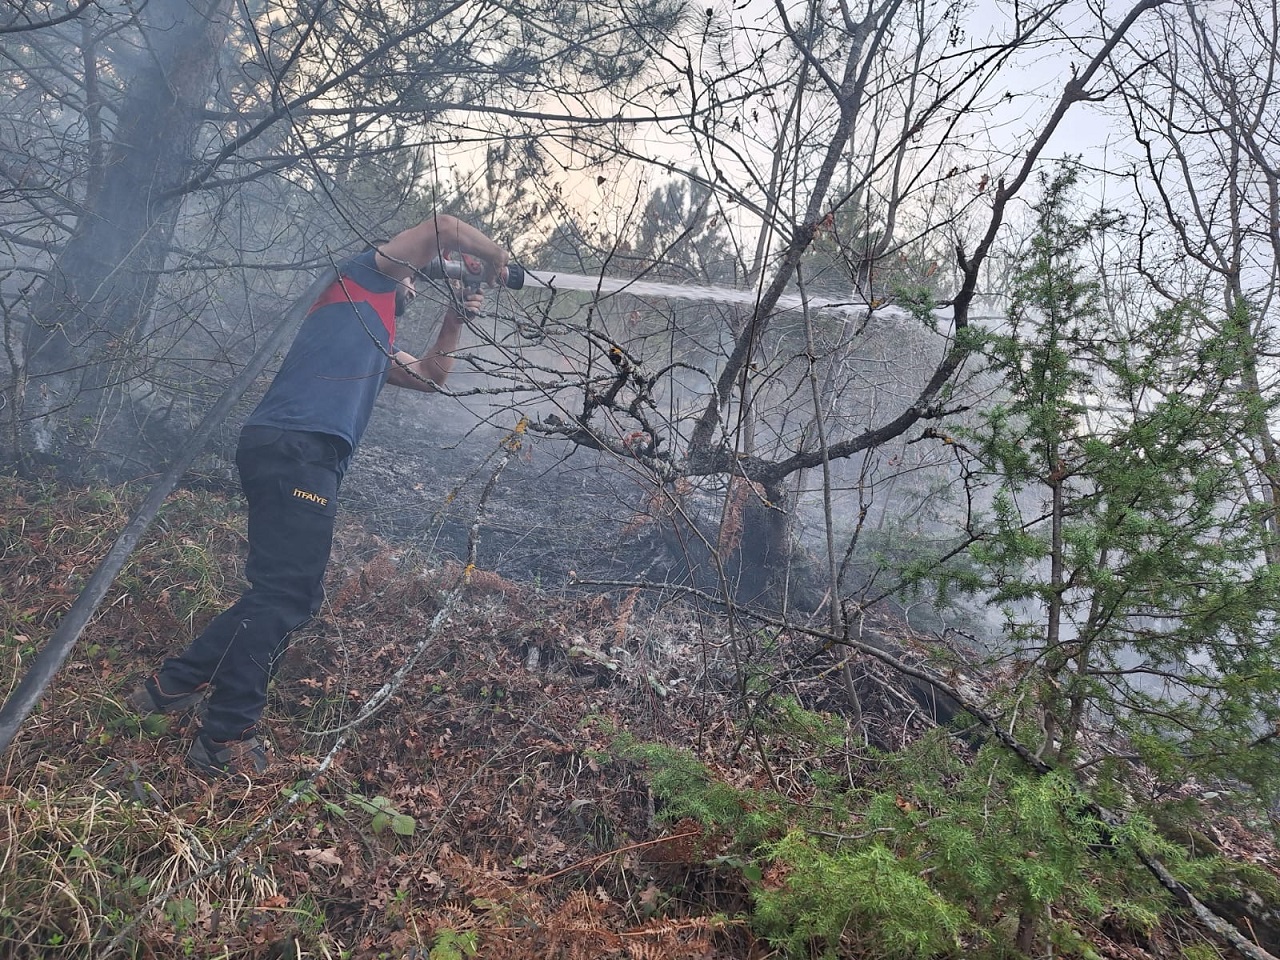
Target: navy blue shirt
[[339, 361]]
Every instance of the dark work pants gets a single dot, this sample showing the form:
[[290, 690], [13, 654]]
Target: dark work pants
[[291, 482]]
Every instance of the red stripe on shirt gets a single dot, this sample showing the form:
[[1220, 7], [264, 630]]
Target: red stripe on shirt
[[346, 290]]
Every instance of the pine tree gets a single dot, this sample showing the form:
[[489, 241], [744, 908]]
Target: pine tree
[[1121, 549]]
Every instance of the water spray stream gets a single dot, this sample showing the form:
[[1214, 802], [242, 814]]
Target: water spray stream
[[554, 281]]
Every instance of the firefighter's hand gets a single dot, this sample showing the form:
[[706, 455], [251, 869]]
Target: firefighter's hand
[[473, 302]]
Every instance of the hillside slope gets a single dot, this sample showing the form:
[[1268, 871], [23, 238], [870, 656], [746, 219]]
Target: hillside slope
[[553, 773]]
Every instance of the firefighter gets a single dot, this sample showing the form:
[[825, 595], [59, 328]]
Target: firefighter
[[293, 452]]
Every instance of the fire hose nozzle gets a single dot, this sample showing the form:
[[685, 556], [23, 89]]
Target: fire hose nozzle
[[442, 268]]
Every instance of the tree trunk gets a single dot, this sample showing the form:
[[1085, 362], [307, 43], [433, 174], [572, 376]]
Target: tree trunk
[[92, 311]]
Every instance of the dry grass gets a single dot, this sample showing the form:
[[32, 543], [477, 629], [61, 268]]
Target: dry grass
[[79, 863]]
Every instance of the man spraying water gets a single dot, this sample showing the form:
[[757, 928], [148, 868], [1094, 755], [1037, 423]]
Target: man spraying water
[[293, 452]]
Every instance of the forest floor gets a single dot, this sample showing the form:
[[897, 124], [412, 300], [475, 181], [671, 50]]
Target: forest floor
[[548, 779]]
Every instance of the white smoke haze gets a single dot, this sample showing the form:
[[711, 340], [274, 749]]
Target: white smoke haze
[[899, 209]]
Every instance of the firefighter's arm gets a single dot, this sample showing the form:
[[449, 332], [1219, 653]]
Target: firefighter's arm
[[431, 371], [412, 249]]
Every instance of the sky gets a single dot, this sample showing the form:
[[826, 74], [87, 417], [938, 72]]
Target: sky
[[1021, 96]]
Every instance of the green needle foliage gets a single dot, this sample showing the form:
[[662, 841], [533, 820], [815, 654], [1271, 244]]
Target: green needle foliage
[[864, 893], [1013, 847], [1122, 545], [935, 853]]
